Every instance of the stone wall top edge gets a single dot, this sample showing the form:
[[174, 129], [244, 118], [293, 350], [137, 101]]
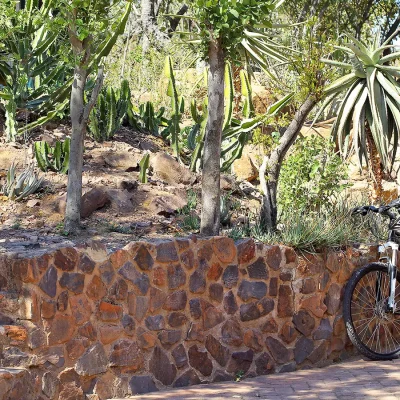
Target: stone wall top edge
[[193, 239]]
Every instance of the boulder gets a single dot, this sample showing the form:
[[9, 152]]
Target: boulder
[[126, 161], [121, 200], [93, 200], [245, 168], [167, 204], [167, 169]]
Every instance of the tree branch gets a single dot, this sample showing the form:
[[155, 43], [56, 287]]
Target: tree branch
[[393, 28], [95, 93], [174, 22]]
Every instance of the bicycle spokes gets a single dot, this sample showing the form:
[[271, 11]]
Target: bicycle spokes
[[377, 327]]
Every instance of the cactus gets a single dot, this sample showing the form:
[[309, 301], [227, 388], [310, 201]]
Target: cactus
[[177, 106], [225, 210], [53, 158], [235, 132], [144, 166], [110, 111], [11, 124], [31, 68], [247, 94], [228, 95], [17, 188], [200, 130], [146, 119]]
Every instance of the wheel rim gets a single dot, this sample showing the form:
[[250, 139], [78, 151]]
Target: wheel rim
[[376, 328]]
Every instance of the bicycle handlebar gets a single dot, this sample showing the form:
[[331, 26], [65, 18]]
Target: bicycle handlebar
[[384, 210]]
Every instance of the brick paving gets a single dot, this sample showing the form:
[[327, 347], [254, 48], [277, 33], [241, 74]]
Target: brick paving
[[354, 379]]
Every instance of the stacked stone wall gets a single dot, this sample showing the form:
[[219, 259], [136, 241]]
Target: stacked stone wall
[[86, 324]]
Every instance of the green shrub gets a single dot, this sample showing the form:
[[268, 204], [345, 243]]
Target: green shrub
[[311, 232], [312, 176]]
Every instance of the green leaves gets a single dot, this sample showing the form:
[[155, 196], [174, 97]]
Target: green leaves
[[311, 177], [372, 97], [227, 20]]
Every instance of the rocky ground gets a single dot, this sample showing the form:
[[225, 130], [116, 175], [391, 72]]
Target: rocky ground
[[116, 207]]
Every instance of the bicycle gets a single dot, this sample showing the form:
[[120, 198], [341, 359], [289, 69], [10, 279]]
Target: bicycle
[[371, 305]]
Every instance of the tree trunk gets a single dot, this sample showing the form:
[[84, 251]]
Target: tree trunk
[[148, 21], [363, 19], [376, 168], [210, 212], [74, 187], [79, 119], [271, 166]]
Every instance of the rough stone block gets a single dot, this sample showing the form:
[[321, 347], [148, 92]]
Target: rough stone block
[[258, 270], [93, 362], [166, 252], [161, 367], [230, 276], [199, 360], [225, 249], [246, 250], [140, 384]]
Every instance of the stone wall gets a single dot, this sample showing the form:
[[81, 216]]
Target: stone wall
[[82, 323]]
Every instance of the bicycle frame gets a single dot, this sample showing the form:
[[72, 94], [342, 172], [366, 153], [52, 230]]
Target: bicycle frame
[[392, 270]]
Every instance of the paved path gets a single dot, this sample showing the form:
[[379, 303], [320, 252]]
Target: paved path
[[352, 380]]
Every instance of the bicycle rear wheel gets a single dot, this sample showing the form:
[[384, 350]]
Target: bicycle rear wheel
[[371, 328]]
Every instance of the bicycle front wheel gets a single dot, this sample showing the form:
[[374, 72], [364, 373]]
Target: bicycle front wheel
[[371, 327]]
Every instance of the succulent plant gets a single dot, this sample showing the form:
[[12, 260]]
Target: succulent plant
[[18, 187]]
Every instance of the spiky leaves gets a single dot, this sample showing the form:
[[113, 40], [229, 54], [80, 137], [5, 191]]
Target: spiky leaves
[[177, 106], [18, 187], [370, 99]]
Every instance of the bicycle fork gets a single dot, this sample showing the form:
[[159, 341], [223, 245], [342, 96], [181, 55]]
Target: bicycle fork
[[392, 272]]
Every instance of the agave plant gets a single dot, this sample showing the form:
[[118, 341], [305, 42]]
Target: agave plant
[[18, 187], [371, 103]]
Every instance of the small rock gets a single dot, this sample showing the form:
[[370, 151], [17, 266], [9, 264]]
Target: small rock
[[33, 203]]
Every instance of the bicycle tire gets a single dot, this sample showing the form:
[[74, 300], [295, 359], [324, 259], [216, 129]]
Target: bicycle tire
[[358, 330]]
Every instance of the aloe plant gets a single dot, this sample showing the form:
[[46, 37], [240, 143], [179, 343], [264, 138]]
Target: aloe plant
[[110, 111], [18, 187], [53, 158], [371, 103], [196, 135]]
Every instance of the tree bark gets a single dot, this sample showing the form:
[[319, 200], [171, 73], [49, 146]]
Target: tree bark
[[364, 18], [210, 212], [271, 166], [376, 167], [74, 187], [148, 21], [79, 119], [174, 22]]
